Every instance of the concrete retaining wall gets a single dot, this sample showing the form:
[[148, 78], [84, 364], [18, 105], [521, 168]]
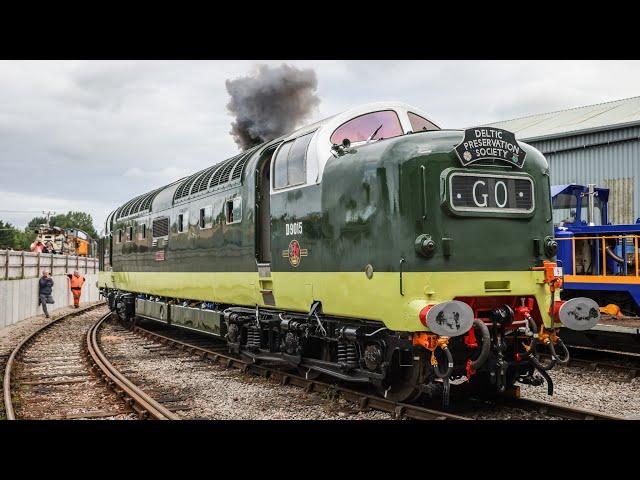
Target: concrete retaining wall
[[19, 298]]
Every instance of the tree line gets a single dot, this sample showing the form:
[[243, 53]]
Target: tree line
[[18, 239]]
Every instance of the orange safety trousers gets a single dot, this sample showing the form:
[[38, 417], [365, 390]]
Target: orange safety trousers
[[76, 288], [76, 296]]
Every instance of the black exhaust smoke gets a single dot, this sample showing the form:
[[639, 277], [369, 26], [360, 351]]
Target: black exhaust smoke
[[270, 102]]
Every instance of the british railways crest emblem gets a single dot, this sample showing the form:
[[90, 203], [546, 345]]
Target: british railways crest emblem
[[294, 253]]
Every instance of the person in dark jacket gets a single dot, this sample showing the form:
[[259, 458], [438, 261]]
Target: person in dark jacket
[[45, 286]]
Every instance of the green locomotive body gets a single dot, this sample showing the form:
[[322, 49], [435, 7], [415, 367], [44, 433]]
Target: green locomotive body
[[354, 253]]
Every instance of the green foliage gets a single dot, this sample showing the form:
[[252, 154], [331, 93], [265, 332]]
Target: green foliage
[[12, 237], [80, 220]]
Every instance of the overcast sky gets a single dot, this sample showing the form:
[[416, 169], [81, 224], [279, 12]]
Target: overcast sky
[[90, 135]]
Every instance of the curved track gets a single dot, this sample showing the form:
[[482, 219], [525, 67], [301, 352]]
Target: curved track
[[137, 401], [134, 398], [19, 349]]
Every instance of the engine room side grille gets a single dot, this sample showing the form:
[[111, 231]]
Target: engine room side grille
[[182, 190], [228, 171], [239, 165], [185, 188], [224, 177], [160, 227], [203, 180], [148, 200], [136, 205], [126, 209], [207, 178], [220, 176]]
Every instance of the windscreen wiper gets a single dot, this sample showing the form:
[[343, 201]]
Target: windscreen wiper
[[374, 133]]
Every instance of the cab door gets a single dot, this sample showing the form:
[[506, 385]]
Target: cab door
[[263, 207], [262, 176]]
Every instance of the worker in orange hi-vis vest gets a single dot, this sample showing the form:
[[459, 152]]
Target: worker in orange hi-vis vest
[[75, 282]]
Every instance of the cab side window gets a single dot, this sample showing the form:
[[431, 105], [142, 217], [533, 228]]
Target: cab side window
[[291, 162], [419, 124], [374, 126]]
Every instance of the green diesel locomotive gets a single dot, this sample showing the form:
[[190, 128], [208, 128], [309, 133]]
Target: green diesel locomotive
[[372, 246]]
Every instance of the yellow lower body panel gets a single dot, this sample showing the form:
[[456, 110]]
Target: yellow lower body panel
[[348, 294]]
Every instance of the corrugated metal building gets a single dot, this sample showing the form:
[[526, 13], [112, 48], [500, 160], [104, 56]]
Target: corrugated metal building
[[593, 144]]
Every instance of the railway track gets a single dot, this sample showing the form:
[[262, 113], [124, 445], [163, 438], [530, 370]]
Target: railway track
[[196, 345], [144, 405], [49, 375], [558, 410], [626, 363], [362, 399], [54, 358]]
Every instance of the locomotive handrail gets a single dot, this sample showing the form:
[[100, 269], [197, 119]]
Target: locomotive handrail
[[603, 250], [598, 237]]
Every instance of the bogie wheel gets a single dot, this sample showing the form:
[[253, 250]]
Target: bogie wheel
[[402, 384], [121, 312]]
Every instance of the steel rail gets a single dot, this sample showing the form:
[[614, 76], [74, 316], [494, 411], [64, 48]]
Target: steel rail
[[364, 400], [632, 371], [121, 384], [559, 410], [579, 358], [8, 402]]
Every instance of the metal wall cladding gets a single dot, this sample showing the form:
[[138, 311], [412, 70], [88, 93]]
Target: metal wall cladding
[[621, 192], [609, 159]]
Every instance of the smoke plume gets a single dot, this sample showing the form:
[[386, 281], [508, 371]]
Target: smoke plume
[[270, 102]]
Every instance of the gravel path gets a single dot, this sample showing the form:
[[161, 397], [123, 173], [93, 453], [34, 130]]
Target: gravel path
[[603, 390], [210, 391]]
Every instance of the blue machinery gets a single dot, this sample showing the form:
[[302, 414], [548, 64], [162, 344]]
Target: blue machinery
[[599, 260]]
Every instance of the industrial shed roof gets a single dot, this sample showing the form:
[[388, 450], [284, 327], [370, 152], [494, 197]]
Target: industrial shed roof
[[591, 118]]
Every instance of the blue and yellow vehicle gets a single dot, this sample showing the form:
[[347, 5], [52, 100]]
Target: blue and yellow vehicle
[[372, 246], [599, 260]]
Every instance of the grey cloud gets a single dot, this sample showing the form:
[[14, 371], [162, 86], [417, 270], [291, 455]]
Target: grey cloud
[[94, 134]]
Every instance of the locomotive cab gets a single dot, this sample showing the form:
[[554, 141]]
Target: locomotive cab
[[303, 154]]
